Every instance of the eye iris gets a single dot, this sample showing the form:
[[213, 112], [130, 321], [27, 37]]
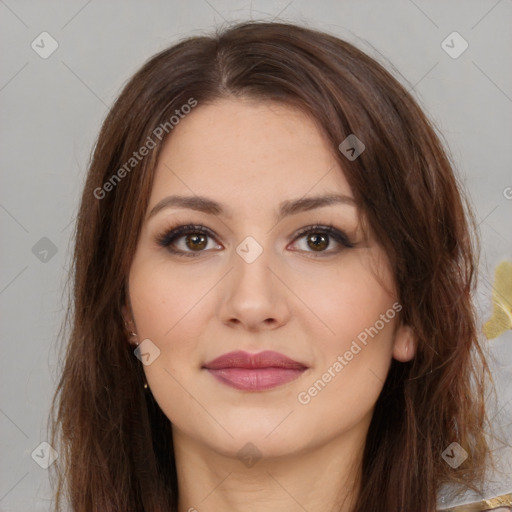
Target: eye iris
[[196, 241], [318, 241]]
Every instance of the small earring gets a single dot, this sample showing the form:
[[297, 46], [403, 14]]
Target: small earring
[[146, 385], [133, 335], [131, 332]]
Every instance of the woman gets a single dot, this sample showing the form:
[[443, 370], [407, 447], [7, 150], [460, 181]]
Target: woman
[[272, 297]]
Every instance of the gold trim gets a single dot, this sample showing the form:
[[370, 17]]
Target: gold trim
[[482, 506]]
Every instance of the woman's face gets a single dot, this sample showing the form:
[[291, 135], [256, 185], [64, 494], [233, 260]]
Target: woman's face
[[260, 270]]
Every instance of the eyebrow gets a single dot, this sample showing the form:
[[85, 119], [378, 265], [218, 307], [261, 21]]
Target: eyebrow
[[286, 208]]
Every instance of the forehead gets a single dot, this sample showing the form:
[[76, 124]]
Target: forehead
[[250, 152]]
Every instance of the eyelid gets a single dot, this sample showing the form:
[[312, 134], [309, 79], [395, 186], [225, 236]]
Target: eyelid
[[338, 235], [171, 234]]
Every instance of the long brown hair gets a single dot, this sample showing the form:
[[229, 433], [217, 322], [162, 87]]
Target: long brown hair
[[115, 443]]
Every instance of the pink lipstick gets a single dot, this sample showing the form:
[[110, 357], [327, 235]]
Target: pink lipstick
[[254, 372]]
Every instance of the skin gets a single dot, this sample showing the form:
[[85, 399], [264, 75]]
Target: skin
[[294, 299]]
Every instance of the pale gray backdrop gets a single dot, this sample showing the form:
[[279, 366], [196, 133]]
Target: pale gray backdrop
[[52, 105]]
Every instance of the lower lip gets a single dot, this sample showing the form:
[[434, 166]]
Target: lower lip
[[256, 379]]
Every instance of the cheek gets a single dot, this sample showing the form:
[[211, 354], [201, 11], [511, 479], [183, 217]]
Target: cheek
[[352, 365], [166, 306], [344, 300], [353, 332], [166, 299], [167, 309]]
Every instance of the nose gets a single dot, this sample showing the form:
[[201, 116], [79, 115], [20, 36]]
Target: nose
[[254, 297]]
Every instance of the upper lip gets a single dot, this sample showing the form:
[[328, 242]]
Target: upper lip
[[265, 359]]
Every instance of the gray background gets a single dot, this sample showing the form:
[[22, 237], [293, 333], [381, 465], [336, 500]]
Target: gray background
[[52, 110]]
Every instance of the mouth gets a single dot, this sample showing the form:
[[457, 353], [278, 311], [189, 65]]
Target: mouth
[[254, 372]]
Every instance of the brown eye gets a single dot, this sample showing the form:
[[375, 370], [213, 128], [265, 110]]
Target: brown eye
[[318, 238], [196, 241], [188, 240], [318, 241]]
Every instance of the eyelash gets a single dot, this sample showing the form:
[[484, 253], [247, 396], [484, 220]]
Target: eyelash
[[168, 237]]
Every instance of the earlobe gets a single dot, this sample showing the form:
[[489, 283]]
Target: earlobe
[[129, 325], [404, 347]]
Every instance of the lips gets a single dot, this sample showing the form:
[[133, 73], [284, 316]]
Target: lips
[[254, 372]]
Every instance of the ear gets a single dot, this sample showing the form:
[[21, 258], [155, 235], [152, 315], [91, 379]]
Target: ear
[[404, 346], [126, 310], [129, 325]]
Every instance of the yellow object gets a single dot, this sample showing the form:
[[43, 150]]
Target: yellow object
[[501, 319]]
